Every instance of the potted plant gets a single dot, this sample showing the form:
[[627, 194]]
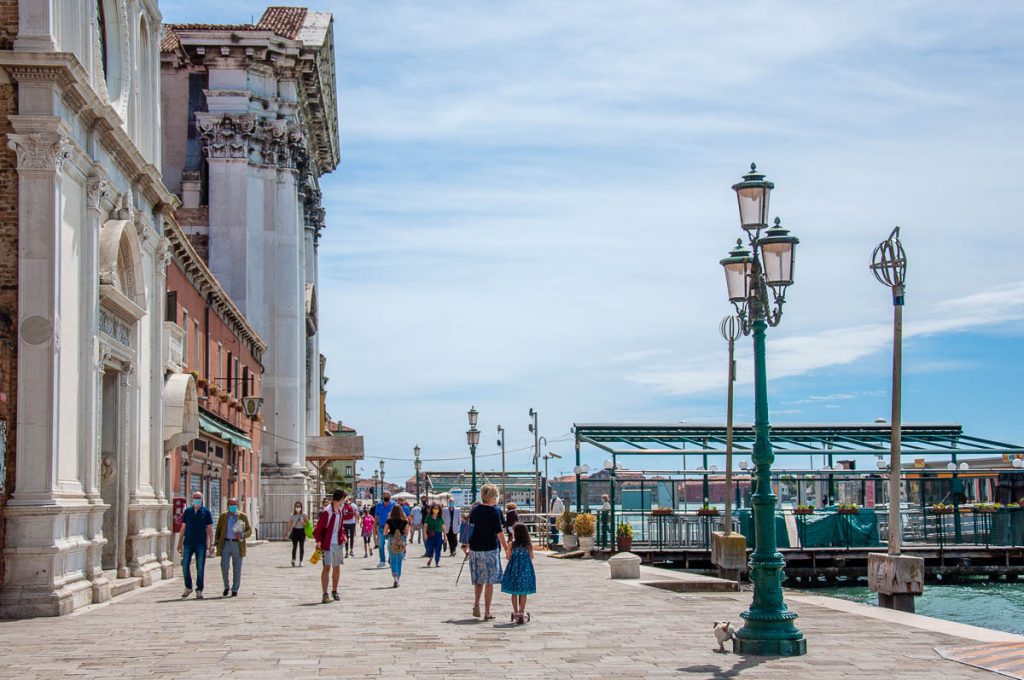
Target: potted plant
[[624, 537], [803, 510], [942, 509], [707, 511], [213, 389], [985, 508], [662, 511], [848, 509], [565, 524], [224, 396], [584, 527]]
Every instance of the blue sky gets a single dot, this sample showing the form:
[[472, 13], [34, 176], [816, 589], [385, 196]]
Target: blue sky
[[534, 196]]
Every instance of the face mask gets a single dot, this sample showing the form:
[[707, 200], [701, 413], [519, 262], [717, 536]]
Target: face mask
[[232, 508], [197, 502]]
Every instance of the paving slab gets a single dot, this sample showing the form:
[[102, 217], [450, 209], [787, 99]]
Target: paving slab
[[584, 626]]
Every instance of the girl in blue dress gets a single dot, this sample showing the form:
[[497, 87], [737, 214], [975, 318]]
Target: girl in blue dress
[[520, 579]]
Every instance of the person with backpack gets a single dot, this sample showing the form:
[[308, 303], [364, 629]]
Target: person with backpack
[[329, 534], [485, 536], [396, 530], [433, 528], [382, 512]]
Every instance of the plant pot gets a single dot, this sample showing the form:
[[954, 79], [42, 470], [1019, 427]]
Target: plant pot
[[624, 543], [803, 512], [586, 544], [569, 542]]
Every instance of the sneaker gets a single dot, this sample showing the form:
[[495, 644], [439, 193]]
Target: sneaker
[[293, 563], [199, 594], [326, 599], [395, 584], [380, 565], [226, 591], [335, 596], [188, 591], [234, 593]]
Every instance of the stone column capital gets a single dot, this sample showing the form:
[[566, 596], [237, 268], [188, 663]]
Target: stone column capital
[[41, 150]]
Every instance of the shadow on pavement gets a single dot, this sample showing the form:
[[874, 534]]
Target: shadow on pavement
[[462, 622], [715, 673]]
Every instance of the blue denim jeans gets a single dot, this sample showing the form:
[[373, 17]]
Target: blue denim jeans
[[434, 548], [396, 563], [381, 543], [187, 551]]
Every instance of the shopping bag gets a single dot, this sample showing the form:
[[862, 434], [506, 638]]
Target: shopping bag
[[309, 529], [315, 557]]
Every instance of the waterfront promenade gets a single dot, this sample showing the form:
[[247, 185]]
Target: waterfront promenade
[[584, 626]]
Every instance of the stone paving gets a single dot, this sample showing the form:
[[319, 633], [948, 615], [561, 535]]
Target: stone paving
[[584, 626]]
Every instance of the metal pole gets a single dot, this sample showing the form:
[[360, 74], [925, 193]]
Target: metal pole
[[895, 466], [472, 489], [579, 480], [769, 627], [501, 432], [727, 520]]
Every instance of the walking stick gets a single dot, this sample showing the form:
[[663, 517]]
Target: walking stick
[[461, 568]]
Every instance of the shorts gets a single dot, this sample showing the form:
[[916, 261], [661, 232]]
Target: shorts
[[485, 566], [335, 557]]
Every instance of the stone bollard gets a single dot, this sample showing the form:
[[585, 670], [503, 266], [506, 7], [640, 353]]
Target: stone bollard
[[624, 565]]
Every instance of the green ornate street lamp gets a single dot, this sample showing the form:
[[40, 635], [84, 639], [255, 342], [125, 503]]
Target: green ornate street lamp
[[769, 627], [473, 439]]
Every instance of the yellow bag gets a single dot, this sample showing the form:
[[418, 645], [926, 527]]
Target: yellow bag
[[315, 557]]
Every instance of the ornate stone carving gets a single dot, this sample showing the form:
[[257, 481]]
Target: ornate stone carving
[[39, 150], [123, 209], [226, 136], [163, 254], [98, 190]]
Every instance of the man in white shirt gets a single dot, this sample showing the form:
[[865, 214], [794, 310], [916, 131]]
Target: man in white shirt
[[555, 508], [330, 539], [416, 515], [452, 517]]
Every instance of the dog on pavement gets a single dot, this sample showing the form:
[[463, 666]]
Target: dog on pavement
[[723, 633]]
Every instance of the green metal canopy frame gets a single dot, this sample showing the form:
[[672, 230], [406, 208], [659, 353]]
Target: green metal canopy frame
[[873, 439]]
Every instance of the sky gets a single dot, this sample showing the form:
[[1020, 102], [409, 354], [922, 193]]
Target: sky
[[533, 199]]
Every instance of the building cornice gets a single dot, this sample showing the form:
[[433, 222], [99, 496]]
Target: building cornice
[[65, 71]]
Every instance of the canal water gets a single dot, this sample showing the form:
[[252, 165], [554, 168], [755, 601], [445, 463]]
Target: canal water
[[999, 606]]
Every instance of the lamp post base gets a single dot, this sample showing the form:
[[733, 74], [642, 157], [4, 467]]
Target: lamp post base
[[752, 647]]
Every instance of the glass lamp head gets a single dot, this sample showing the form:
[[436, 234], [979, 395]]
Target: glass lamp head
[[472, 416], [778, 251], [737, 273], [753, 195]]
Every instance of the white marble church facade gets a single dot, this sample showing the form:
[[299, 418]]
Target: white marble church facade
[[249, 126], [87, 514]]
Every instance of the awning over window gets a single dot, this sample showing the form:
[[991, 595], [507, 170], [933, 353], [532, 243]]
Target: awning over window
[[228, 433], [180, 410]]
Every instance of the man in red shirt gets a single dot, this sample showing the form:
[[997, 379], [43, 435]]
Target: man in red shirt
[[329, 534], [348, 521]]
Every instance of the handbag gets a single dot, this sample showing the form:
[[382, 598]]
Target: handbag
[[309, 529]]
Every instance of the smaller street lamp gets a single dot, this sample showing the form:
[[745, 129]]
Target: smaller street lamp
[[473, 439], [382, 478], [376, 477], [416, 464]]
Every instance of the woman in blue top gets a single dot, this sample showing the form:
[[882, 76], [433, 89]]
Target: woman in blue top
[[484, 557], [520, 579]]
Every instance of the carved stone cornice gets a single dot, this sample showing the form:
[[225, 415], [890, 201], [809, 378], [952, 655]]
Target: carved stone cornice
[[41, 150]]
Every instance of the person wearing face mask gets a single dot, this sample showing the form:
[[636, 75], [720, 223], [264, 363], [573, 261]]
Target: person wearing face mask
[[298, 533], [196, 538], [233, 528], [452, 516]]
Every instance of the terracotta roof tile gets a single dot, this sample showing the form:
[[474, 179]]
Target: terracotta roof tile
[[169, 40], [284, 21]]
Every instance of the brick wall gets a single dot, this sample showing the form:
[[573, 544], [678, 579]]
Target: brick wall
[[8, 274], [8, 23]]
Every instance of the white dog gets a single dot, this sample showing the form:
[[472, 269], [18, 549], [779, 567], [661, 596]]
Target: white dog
[[723, 633]]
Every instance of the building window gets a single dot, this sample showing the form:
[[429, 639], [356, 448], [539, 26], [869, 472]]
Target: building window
[[245, 381], [220, 364], [238, 376], [184, 341], [231, 375], [195, 347]]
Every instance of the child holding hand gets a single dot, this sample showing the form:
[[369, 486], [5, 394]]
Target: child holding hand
[[520, 579]]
